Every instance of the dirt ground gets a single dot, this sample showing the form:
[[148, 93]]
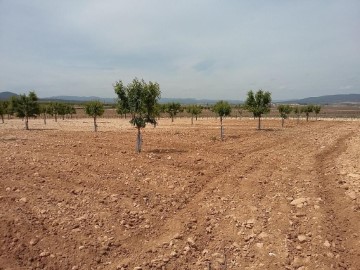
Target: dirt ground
[[279, 198]]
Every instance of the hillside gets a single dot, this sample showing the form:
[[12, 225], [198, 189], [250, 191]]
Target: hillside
[[329, 99], [6, 95]]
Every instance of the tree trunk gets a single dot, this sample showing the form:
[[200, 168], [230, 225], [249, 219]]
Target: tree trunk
[[307, 117], [2, 119], [55, 115], [95, 125], [138, 141], [298, 119], [259, 122], [44, 118], [172, 119], [196, 117], [221, 129], [26, 122], [192, 119], [282, 122]]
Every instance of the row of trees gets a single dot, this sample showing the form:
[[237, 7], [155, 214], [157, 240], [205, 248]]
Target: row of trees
[[140, 100]]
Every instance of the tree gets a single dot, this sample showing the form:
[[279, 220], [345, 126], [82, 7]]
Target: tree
[[284, 111], [317, 109], [222, 109], [94, 109], [307, 110], [258, 104], [297, 112], [194, 110], [142, 99], [172, 109], [123, 106], [2, 110], [26, 106], [44, 110], [238, 109]]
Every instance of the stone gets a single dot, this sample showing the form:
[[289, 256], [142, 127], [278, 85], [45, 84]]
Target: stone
[[327, 244], [302, 238], [298, 201], [352, 195]]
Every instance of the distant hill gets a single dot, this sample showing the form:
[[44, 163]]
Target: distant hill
[[6, 95], [113, 100], [329, 99]]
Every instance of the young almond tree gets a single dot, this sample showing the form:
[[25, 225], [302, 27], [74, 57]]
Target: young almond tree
[[238, 109], [307, 110], [258, 104], [222, 109], [173, 108], [26, 106], [2, 110], [297, 112], [122, 106], [284, 111], [94, 109], [142, 99], [194, 110], [317, 109], [44, 110]]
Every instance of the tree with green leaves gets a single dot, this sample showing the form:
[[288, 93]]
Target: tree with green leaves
[[26, 106], [122, 106], [297, 112], [284, 111], [2, 110], [258, 104], [222, 109], [143, 101], [238, 108], [307, 110], [44, 110], [94, 109], [194, 110], [172, 109], [317, 109]]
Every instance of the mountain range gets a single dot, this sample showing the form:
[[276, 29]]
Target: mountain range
[[327, 99]]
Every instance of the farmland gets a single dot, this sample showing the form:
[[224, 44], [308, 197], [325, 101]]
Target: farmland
[[279, 198]]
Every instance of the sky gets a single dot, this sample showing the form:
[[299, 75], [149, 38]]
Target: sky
[[213, 49]]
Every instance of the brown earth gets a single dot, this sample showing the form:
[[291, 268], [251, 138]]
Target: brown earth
[[271, 199]]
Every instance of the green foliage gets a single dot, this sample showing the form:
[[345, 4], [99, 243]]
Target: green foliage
[[94, 109], [26, 106], [194, 110], [222, 108], [296, 110], [140, 99], [172, 109], [238, 108], [258, 104], [307, 110], [317, 109], [122, 106], [284, 110], [3, 108]]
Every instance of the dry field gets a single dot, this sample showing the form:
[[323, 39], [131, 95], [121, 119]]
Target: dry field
[[271, 199]]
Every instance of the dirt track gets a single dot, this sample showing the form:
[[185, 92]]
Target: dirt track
[[272, 199]]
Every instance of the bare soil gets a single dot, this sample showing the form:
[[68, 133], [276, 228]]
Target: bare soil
[[279, 198]]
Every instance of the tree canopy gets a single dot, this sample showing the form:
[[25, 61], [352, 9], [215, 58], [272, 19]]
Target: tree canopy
[[284, 111], [258, 103], [222, 109], [26, 106], [140, 99], [94, 109]]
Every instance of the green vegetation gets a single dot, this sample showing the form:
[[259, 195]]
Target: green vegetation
[[26, 106], [284, 111], [297, 112], [258, 104], [317, 109], [222, 109], [172, 109], [3, 108], [94, 109], [307, 110], [142, 99], [194, 110]]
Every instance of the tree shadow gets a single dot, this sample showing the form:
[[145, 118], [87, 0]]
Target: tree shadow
[[165, 151]]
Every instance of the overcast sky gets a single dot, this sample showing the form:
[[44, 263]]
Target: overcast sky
[[216, 49]]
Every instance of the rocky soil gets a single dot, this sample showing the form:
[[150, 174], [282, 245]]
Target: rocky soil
[[279, 198]]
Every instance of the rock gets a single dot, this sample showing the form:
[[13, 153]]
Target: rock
[[259, 245], [352, 195], [138, 268], [299, 202], [262, 235], [297, 262], [33, 241], [23, 200], [302, 238], [327, 244], [191, 241], [44, 254]]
